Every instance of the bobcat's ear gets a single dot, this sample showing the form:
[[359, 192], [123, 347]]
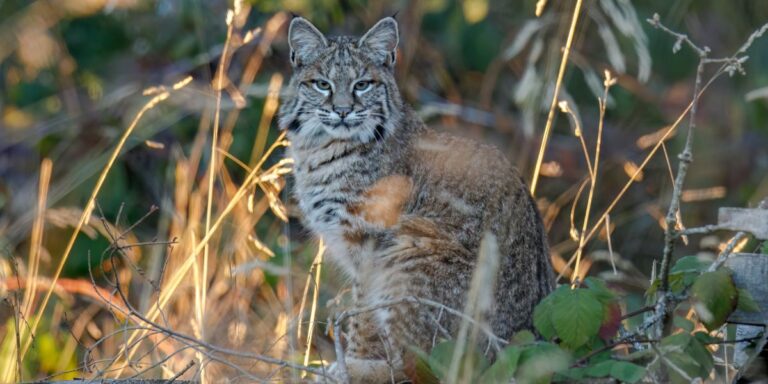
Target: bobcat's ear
[[305, 41], [382, 41]]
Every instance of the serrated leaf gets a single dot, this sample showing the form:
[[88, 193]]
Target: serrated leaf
[[542, 318], [576, 316], [627, 372], [683, 323], [600, 290], [746, 302], [503, 370], [716, 297]]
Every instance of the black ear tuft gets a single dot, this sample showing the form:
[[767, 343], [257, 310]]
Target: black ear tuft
[[394, 15]]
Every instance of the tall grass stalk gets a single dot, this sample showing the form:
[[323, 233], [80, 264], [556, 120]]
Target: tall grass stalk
[[202, 280], [180, 273], [313, 281], [87, 213], [33, 268], [555, 94], [593, 169]]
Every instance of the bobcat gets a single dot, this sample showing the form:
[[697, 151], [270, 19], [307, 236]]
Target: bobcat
[[401, 207]]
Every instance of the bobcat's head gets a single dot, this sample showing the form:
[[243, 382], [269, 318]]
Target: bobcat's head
[[342, 87]]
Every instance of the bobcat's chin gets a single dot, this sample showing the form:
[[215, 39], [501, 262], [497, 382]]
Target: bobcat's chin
[[361, 131]]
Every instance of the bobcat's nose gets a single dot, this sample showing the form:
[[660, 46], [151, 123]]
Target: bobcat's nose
[[342, 111]]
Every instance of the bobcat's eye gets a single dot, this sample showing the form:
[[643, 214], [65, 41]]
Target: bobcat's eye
[[362, 86], [322, 85]]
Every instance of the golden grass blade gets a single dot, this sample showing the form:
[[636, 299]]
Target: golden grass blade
[[317, 265], [558, 83], [669, 131], [593, 169], [88, 208], [201, 281], [37, 236], [267, 113], [180, 273], [33, 263]]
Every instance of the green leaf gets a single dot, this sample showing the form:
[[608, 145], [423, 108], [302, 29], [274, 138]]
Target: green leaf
[[627, 372], [654, 287], [503, 370], [706, 338], [570, 375], [420, 372], [440, 358], [523, 337], [644, 354], [442, 354], [539, 362], [542, 317], [676, 343], [688, 354], [576, 316], [715, 296], [681, 362], [746, 302], [600, 290], [683, 323], [689, 264], [703, 357], [677, 282], [601, 369]]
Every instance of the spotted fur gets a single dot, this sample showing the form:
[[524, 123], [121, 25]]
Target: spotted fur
[[401, 207]]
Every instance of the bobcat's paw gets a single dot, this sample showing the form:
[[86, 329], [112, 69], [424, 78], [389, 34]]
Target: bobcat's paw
[[362, 371]]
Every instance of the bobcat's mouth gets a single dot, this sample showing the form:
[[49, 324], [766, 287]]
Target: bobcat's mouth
[[348, 124]]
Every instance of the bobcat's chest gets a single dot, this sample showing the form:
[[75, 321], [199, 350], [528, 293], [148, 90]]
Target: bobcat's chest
[[344, 196]]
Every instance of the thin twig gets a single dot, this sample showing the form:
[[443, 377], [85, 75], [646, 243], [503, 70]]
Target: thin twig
[[729, 65]]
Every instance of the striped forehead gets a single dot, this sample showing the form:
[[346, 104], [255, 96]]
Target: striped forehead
[[343, 60]]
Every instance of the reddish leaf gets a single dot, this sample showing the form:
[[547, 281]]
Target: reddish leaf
[[611, 321]]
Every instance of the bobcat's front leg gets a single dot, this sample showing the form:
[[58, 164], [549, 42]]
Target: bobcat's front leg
[[369, 356]]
